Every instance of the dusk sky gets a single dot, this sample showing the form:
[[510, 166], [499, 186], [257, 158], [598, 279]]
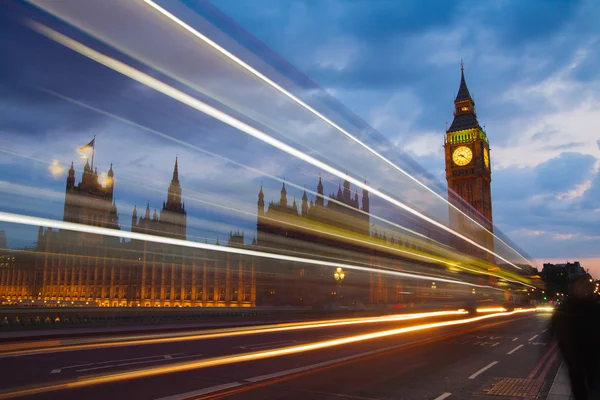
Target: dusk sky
[[531, 67]]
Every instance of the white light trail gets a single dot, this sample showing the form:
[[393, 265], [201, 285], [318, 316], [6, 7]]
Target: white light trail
[[37, 221], [233, 122], [280, 89], [225, 159]]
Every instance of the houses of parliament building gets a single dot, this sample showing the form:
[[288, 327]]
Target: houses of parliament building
[[67, 266]]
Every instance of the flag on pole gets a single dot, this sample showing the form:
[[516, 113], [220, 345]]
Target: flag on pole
[[91, 144]]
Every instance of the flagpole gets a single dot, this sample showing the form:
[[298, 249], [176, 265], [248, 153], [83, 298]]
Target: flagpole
[[93, 151]]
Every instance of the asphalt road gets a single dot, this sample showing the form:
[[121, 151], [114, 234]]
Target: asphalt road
[[496, 358]]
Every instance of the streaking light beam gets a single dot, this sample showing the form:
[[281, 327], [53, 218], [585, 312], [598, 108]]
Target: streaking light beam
[[224, 360], [243, 127]]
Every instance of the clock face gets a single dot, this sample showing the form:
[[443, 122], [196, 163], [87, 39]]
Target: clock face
[[462, 156], [486, 157]]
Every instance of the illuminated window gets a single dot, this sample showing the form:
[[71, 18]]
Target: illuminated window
[[465, 109]]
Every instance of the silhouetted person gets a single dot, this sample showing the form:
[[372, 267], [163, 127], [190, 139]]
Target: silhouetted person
[[576, 327]]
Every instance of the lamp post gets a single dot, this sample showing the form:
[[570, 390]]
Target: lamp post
[[339, 276]]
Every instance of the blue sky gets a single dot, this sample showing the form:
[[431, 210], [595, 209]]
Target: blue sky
[[531, 66]]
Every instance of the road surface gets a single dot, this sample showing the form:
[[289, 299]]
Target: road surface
[[500, 357]]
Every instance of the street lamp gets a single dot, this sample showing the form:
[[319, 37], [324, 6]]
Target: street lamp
[[339, 274]]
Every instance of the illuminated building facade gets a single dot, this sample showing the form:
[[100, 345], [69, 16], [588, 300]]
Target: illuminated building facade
[[468, 169], [79, 267], [317, 227]]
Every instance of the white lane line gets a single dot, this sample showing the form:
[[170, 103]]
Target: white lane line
[[199, 392], [490, 365], [58, 370], [258, 346], [544, 330], [513, 350], [165, 358], [443, 396], [515, 339], [533, 337]]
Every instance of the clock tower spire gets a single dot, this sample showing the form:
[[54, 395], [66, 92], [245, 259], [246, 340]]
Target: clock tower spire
[[467, 154]]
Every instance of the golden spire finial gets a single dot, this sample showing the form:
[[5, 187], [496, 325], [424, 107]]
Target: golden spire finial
[[462, 65]]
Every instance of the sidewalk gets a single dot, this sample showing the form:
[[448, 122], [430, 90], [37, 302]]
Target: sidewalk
[[561, 387]]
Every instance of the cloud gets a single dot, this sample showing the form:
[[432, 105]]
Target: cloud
[[564, 172], [535, 81]]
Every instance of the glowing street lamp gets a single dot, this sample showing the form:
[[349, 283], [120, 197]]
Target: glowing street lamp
[[339, 274]]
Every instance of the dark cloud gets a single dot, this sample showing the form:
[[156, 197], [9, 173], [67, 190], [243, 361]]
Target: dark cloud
[[517, 23], [566, 146], [544, 134], [564, 172]]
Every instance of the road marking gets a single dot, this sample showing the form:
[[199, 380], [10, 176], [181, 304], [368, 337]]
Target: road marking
[[137, 362], [286, 372], [531, 338], [258, 346], [443, 396], [58, 370], [513, 350], [545, 330], [199, 392], [541, 362], [490, 365], [515, 339]]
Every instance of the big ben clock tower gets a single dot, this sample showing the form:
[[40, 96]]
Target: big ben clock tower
[[468, 169]]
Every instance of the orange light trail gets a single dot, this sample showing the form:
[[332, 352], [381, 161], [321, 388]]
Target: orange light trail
[[23, 349], [491, 309], [545, 309], [253, 356]]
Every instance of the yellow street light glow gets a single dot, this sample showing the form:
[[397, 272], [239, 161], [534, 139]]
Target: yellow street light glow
[[235, 123], [224, 360]]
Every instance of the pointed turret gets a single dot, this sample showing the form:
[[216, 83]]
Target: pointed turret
[[365, 200], [304, 204], [347, 196], [147, 215], [71, 178], [155, 216], [464, 107], [283, 199], [176, 171], [174, 202], [320, 197], [134, 218], [463, 90], [261, 201], [110, 181], [340, 195], [113, 217]]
